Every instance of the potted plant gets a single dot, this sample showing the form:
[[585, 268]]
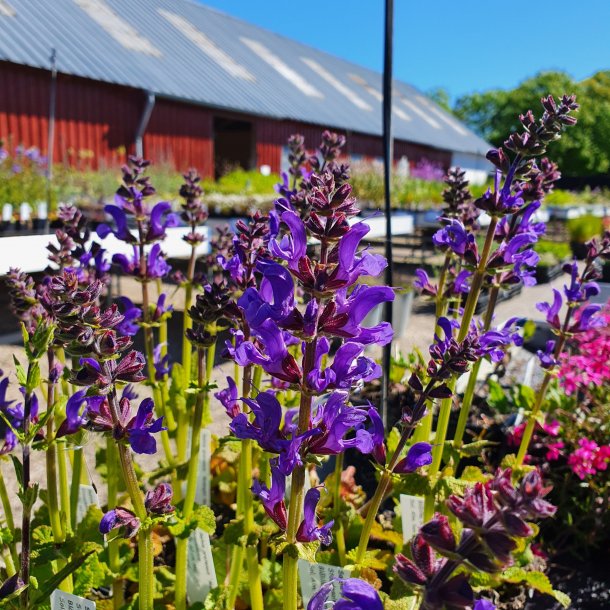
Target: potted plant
[[582, 230]]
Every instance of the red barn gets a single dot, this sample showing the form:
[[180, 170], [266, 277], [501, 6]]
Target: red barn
[[186, 85]]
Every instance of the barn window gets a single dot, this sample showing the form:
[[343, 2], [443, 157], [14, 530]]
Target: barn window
[[213, 51], [122, 31]]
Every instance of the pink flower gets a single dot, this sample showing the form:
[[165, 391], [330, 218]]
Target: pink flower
[[552, 429], [589, 458], [554, 451]]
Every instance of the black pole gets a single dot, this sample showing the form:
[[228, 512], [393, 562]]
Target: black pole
[[51, 132], [388, 154]]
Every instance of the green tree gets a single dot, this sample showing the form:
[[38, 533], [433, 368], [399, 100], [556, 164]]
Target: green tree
[[584, 151]]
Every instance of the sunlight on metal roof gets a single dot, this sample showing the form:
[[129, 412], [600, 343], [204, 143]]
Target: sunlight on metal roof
[[379, 97], [117, 27], [352, 96], [214, 52], [279, 66], [417, 110], [442, 116], [6, 10]]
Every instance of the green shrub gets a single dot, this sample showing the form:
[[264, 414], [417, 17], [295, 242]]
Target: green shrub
[[552, 252], [584, 228]]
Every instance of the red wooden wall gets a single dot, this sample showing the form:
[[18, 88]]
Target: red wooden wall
[[96, 125]]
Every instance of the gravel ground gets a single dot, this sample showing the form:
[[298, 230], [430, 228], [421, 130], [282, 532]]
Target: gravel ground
[[418, 334]]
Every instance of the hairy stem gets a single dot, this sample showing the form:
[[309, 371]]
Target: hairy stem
[[145, 548], [112, 462]]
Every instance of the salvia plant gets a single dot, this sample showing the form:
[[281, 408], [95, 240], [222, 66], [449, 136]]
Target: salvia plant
[[284, 297]]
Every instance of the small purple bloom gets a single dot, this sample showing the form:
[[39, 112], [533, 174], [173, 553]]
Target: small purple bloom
[[228, 398], [453, 236], [418, 455], [121, 232], [547, 356], [141, 428], [160, 220], [356, 594], [551, 311], [76, 414], [273, 499], [483, 604], [131, 316], [159, 500], [308, 530], [578, 292], [354, 308], [120, 517], [161, 363], [293, 246], [333, 420]]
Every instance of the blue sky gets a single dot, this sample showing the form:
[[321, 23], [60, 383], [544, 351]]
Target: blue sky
[[463, 46]]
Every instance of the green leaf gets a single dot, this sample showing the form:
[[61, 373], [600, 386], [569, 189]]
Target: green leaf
[[52, 583], [308, 550], [392, 440], [204, 519], [473, 474], [412, 484], [33, 378], [20, 372], [18, 469], [474, 449], [233, 531], [536, 580], [376, 559]]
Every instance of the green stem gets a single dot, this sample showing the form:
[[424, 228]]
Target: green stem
[[371, 515], [337, 505], [77, 475], [474, 373], [112, 462], [531, 421], [145, 548], [237, 559], [9, 563], [8, 514], [201, 405], [186, 320], [445, 406], [64, 486], [57, 528]]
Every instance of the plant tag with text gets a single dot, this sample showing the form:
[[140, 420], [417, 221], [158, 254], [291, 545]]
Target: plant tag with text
[[60, 600], [203, 492], [412, 512], [201, 574], [314, 575]]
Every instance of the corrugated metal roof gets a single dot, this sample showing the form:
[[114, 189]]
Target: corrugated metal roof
[[219, 61]]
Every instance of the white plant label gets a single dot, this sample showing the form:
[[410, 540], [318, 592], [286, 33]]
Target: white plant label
[[86, 498], [203, 493], [61, 600], [314, 575], [201, 574], [412, 512]]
